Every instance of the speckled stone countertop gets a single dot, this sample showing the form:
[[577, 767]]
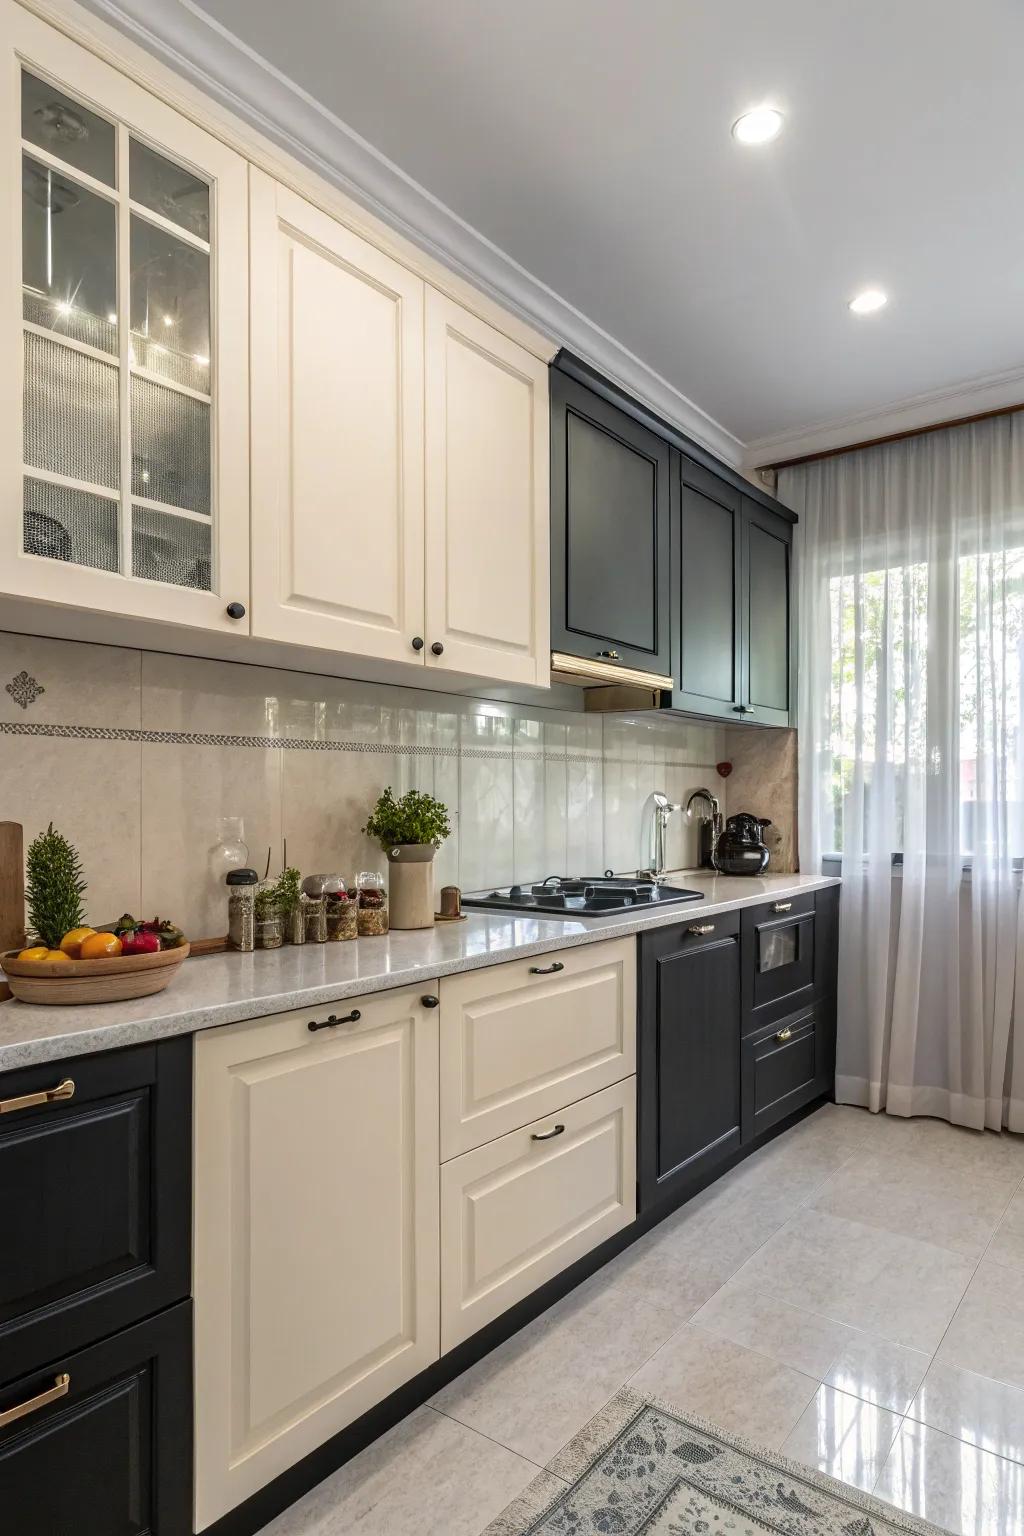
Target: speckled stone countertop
[[221, 989]]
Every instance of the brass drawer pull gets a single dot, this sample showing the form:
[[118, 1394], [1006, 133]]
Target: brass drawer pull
[[61, 1387], [784, 1034], [546, 970], [700, 929], [783, 906], [546, 1135], [64, 1090]]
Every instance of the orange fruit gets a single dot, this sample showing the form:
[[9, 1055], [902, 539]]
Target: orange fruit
[[100, 946], [36, 952], [56, 956], [71, 943]]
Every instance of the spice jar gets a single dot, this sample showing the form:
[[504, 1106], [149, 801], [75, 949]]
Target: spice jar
[[373, 903], [241, 884], [269, 924], [295, 922], [342, 909], [315, 908]]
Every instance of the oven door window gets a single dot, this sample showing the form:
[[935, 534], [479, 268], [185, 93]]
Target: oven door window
[[778, 947]]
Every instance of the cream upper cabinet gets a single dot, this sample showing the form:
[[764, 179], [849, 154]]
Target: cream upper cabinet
[[337, 439], [399, 458], [316, 1264], [487, 512], [124, 410]]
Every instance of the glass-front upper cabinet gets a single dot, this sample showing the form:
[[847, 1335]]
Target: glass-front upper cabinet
[[125, 448]]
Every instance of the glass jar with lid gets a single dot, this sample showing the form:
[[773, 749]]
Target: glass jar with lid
[[342, 909], [242, 885], [372, 896], [269, 918], [315, 908]]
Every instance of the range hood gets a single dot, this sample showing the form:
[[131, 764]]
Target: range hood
[[610, 685]]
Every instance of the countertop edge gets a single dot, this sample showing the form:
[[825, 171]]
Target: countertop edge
[[31, 1035]]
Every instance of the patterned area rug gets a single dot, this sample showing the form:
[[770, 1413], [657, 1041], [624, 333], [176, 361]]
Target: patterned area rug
[[642, 1468]]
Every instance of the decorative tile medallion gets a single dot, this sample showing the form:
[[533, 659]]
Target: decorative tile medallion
[[24, 690]]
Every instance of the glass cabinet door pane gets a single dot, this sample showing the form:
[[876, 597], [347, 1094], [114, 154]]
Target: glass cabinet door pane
[[61, 523], [170, 447], [69, 257], [169, 548], [158, 183], [71, 413], [778, 947], [63, 127], [170, 306]]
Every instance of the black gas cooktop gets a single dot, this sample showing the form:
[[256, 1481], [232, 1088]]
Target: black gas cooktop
[[582, 896]]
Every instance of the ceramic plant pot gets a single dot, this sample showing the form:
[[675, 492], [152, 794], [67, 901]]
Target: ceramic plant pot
[[411, 885]]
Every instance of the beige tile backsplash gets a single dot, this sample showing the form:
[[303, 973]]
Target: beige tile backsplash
[[531, 791]]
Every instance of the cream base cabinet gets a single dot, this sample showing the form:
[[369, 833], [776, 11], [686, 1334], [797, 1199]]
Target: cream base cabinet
[[316, 1233], [487, 502], [517, 1211], [337, 434]]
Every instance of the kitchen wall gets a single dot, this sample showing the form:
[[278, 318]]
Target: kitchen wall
[[136, 755]]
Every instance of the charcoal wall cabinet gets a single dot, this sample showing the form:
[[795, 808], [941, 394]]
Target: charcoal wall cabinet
[[610, 516]]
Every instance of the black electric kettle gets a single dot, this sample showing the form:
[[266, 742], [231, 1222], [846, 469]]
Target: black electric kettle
[[741, 847]]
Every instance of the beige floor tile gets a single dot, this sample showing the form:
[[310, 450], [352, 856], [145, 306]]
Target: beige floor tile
[[985, 1413], [656, 1270], [427, 1474], [959, 1487], [987, 1333], [539, 1388], [843, 1436], [736, 1387], [789, 1334], [878, 1371], [896, 1287], [1007, 1245], [957, 1208]]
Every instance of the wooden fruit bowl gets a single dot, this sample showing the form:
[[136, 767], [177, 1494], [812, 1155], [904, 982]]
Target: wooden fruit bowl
[[110, 980]]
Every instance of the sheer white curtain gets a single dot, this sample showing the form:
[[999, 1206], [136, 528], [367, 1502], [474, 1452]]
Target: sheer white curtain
[[911, 691]]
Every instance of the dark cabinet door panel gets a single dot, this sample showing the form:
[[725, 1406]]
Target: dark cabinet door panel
[[708, 557], [610, 515], [784, 1068], [767, 580], [99, 1442], [94, 1198], [690, 1058]]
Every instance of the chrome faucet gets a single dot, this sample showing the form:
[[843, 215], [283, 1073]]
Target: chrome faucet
[[653, 825]]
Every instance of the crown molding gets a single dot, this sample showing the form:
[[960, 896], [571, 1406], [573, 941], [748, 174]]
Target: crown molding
[[196, 47], [991, 392]]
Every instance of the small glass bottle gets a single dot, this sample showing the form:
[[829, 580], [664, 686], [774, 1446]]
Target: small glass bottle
[[241, 884], [373, 903]]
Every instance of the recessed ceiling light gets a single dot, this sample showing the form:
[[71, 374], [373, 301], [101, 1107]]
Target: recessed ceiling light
[[867, 302], [758, 126]]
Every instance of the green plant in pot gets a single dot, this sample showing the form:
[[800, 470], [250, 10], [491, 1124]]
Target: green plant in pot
[[409, 830]]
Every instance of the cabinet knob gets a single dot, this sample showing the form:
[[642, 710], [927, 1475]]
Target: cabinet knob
[[332, 1020], [784, 1034], [700, 929], [236, 610], [417, 642], [437, 648], [429, 1000], [609, 655], [743, 709]]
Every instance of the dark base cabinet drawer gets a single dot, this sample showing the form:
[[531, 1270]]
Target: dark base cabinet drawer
[[95, 1191], [784, 1066], [107, 1450]]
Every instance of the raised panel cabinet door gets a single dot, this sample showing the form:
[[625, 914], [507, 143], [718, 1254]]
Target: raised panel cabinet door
[[519, 1210], [487, 573], [316, 1242], [337, 442], [521, 1039], [690, 1110], [766, 580], [99, 1441], [124, 343], [708, 670], [610, 517]]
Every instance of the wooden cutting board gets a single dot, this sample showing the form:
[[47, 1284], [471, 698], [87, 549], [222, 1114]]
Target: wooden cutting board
[[12, 891]]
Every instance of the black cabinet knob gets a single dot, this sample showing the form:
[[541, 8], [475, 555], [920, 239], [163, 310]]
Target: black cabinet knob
[[236, 610], [437, 648], [429, 1000], [417, 642], [743, 709]]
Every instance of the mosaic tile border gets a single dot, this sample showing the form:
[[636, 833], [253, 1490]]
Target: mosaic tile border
[[288, 743]]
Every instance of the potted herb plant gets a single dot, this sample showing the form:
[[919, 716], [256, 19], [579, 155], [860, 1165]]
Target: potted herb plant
[[409, 830]]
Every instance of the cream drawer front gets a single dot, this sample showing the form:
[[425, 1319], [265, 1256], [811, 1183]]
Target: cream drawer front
[[519, 1210], [521, 1039]]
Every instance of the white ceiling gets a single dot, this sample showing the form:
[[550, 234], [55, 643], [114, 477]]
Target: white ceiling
[[589, 140]]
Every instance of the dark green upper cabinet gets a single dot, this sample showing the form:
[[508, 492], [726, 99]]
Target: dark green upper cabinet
[[610, 518], [731, 588]]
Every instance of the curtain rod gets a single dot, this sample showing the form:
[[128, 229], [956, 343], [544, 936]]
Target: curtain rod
[[893, 437]]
